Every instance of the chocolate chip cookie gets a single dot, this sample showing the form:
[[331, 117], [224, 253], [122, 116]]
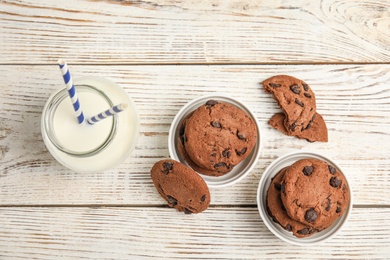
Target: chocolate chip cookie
[[180, 186], [316, 130], [180, 147], [278, 213], [314, 193], [295, 98], [218, 136]]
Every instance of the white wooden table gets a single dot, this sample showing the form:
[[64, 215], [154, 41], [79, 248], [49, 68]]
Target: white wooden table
[[165, 53]]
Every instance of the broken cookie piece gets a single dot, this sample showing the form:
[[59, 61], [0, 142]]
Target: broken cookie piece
[[317, 130], [298, 103]]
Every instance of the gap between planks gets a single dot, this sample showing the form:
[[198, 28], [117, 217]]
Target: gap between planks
[[204, 64], [362, 206]]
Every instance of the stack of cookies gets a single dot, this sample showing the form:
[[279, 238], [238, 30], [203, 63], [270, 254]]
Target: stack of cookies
[[216, 137], [298, 103], [307, 197]]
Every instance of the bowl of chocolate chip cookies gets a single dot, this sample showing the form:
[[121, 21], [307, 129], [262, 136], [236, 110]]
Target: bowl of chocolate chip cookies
[[304, 198], [218, 137]]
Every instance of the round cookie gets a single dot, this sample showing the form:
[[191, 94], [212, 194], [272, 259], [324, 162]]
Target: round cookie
[[180, 147], [219, 136], [295, 98], [180, 186], [278, 213], [314, 193]]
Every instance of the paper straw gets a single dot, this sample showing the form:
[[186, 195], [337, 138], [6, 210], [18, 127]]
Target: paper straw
[[71, 90], [109, 112]]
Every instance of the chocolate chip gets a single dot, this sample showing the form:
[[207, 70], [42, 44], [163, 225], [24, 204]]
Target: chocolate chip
[[295, 88], [332, 169], [297, 101], [203, 198], [308, 125], [292, 127], [226, 153], [220, 164], [338, 209], [328, 206], [334, 182], [278, 186], [213, 154], [344, 187], [283, 188], [243, 150], [241, 136], [187, 211], [307, 95], [288, 227], [303, 231], [311, 215], [274, 85], [211, 103], [310, 122], [305, 86], [216, 124], [308, 170], [171, 201], [167, 167]]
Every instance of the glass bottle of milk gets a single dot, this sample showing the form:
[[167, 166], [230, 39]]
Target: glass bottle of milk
[[84, 147]]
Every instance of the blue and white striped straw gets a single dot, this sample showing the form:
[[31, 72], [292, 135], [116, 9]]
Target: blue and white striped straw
[[109, 112], [71, 90]]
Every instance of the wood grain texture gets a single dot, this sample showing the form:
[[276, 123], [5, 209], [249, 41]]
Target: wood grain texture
[[165, 53], [136, 233], [354, 100], [169, 31]]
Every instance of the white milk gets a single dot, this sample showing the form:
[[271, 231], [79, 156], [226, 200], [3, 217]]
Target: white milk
[[81, 137], [84, 147]]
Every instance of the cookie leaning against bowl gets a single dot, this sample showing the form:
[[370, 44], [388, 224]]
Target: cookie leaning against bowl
[[219, 136], [180, 186], [314, 193], [295, 98], [180, 147], [278, 213]]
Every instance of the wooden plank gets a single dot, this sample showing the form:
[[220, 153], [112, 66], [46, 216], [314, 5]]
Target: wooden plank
[[168, 31], [218, 233], [354, 100]]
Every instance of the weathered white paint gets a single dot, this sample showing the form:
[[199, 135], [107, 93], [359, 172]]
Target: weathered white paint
[[49, 212], [136, 232], [169, 31]]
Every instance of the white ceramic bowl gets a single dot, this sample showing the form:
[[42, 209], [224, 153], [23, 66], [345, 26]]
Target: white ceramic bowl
[[240, 170], [269, 173]]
